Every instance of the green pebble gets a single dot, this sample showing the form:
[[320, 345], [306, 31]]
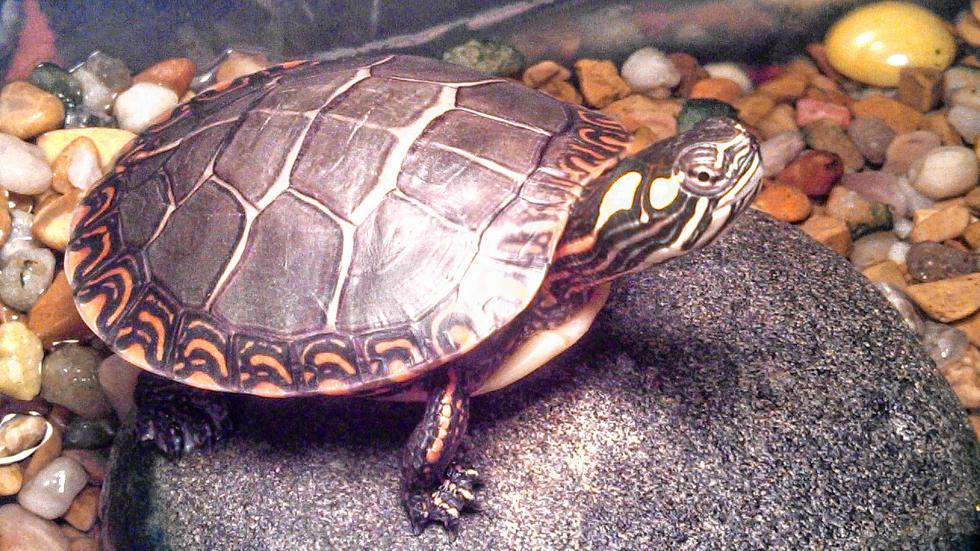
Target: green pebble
[[882, 221], [487, 57], [89, 433], [51, 78], [697, 109]]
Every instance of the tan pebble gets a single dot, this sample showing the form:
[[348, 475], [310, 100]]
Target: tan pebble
[[84, 544], [642, 139], [721, 89], [600, 82], [968, 28], [54, 317], [174, 73], [52, 221], [972, 235], [975, 8], [26, 110], [48, 452], [936, 123], [788, 86], [752, 109], [898, 116], [543, 72], [6, 223], [818, 52], [972, 200], [829, 96], [109, 141], [92, 461], [829, 231], [20, 201], [70, 531], [970, 326], [964, 377], [826, 135], [886, 271], [781, 119], [563, 91], [636, 111], [9, 314], [802, 66], [939, 225], [690, 70], [84, 509], [20, 361], [44, 198], [21, 433], [920, 87], [783, 202], [948, 300], [975, 422], [11, 479], [22, 530], [78, 163], [238, 64], [849, 206]]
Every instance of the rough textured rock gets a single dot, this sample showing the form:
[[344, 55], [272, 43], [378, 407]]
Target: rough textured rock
[[730, 400]]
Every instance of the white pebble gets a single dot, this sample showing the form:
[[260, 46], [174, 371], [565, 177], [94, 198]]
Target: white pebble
[[779, 150], [22, 167], [959, 77], [136, 108], [732, 72], [648, 68], [945, 172], [913, 199], [966, 121], [96, 96], [900, 249], [51, 491], [968, 96], [872, 249], [902, 227], [83, 168], [20, 235]]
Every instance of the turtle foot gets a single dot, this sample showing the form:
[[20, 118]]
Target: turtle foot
[[444, 505], [177, 419]]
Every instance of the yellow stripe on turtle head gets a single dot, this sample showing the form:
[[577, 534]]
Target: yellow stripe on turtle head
[[663, 192], [620, 196]]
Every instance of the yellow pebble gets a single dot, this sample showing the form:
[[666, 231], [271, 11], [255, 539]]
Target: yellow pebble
[[109, 141], [872, 43]]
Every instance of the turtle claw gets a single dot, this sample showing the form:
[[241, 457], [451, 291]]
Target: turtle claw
[[446, 504], [178, 420]]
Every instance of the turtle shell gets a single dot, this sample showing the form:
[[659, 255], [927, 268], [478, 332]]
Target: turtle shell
[[331, 227]]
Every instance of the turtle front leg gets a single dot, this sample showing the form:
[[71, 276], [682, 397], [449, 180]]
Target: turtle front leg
[[178, 419], [435, 488]]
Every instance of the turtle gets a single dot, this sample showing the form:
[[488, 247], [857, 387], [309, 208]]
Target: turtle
[[390, 227]]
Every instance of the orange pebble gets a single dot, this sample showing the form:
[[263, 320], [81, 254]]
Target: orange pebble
[[721, 89]]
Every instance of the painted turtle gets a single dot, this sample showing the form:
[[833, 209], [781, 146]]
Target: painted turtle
[[389, 227]]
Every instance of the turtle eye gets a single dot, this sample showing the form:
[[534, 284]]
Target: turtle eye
[[702, 176]]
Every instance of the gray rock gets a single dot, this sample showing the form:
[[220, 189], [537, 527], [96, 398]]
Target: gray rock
[[758, 395]]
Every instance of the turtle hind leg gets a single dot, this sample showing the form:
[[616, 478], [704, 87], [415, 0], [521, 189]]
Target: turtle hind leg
[[178, 419], [435, 488]]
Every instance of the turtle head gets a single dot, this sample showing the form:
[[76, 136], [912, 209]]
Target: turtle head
[[673, 197]]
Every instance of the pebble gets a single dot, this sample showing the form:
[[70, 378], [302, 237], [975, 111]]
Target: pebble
[[879, 186], [118, 379], [920, 87], [944, 344], [811, 110], [886, 271], [929, 261], [787, 87], [20, 433], [49, 451], [732, 72], [970, 326], [53, 317], [600, 82], [21, 530], [872, 249], [752, 109], [972, 235], [966, 121], [813, 172], [543, 72], [964, 376], [695, 110], [905, 149], [862, 217], [828, 231], [939, 224], [78, 166], [25, 276], [782, 118], [92, 461], [52, 221], [84, 509], [898, 116], [55, 80], [50, 493], [913, 199], [70, 377], [26, 110], [108, 141], [143, 103], [20, 235], [638, 111], [485, 56], [20, 361], [558, 89], [871, 137], [111, 71], [946, 171], [936, 123], [96, 96], [175, 73], [784, 203], [826, 135], [649, 68], [900, 301], [899, 251], [721, 89], [972, 200], [957, 77], [239, 64], [779, 150], [690, 70], [948, 300], [81, 117], [89, 433], [968, 28], [11, 480], [968, 96], [24, 168], [871, 44], [6, 222]]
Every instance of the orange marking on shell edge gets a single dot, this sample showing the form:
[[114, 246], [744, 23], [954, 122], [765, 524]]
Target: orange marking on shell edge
[[268, 390], [331, 358], [127, 291], [72, 260], [292, 63], [200, 379], [106, 247], [90, 310], [404, 344], [273, 363], [210, 349], [110, 192], [333, 387], [135, 354], [158, 328]]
